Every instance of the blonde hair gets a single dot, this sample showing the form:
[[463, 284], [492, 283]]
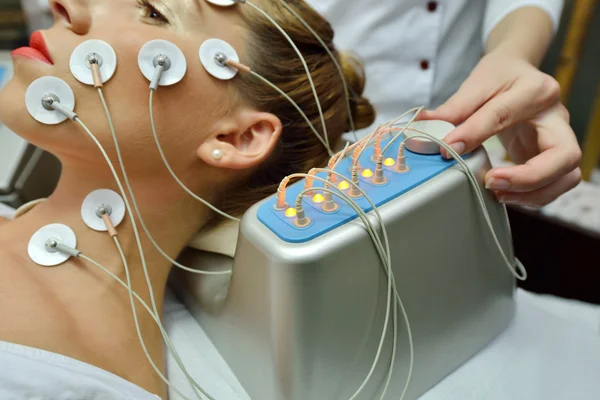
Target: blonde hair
[[272, 57]]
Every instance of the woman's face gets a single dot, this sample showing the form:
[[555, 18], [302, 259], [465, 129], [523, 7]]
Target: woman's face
[[187, 113]]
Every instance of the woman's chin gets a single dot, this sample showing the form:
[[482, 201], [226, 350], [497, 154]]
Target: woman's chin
[[14, 115]]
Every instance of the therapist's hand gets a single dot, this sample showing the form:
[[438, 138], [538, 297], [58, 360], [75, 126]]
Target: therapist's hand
[[509, 97]]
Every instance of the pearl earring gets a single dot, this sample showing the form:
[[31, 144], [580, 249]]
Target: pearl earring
[[217, 154]]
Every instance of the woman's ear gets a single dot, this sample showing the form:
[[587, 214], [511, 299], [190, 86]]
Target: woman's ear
[[242, 141]]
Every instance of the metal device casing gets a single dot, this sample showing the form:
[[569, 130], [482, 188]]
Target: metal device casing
[[303, 321]]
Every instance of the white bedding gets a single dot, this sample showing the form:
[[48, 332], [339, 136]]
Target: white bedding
[[550, 352]]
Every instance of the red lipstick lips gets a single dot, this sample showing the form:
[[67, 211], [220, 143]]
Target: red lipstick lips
[[37, 50]]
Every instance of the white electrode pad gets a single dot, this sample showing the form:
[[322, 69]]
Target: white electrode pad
[[95, 201], [177, 62], [105, 54], [38, 245], [224, 3], [208, 52], [43, 87]]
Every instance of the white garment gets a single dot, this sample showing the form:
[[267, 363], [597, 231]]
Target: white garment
[[32, 374], [6, 212], [418, 52]]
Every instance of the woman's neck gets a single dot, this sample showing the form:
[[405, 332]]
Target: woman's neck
[[78, 306], [170, 217]]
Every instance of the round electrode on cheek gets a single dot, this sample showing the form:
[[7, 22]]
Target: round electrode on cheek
[[175, 68], [99, 202], [40, 247], [422, 145], [95, 51], [223, 3], [213, 55], [52, 87]]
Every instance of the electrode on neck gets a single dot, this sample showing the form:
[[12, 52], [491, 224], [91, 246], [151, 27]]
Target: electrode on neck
[[52, 245], [100, 204]]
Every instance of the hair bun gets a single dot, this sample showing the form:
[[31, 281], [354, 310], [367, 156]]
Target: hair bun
[[363, 112]]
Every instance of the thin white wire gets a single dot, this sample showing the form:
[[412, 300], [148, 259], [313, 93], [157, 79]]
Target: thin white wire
[[166, 162], [335, 62], [145, 305], [403, 129], [134, 201], [398, 299], [386, 259], [417, 111], [172, 349], [308, 74], [521, 274], [387, 268], [133, 223], [339, 159], [364, 146], [383, 126], [392, 361], [288, 98], [396, 120], [135, 317]]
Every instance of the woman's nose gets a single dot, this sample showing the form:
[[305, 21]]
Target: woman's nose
[[74, 14]]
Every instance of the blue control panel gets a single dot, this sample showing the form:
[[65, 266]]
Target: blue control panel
[[2, 74], [422, 169]]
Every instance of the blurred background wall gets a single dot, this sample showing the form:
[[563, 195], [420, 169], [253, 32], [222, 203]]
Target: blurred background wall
[[587, 79]]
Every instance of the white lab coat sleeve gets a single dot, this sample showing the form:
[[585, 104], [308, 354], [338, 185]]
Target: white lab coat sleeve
[[497, 10]]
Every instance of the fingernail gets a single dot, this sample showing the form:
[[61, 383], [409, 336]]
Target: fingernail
[[497, 184], [458, 147]]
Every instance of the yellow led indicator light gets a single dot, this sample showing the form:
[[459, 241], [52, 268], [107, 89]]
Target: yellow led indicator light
[[318, 198], [367, 173], [389, 162], [344, 185], [290, 212]]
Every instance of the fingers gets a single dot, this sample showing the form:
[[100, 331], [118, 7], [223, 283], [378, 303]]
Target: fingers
[[521, 103], [559, 155], [545, 195], [468, 99]]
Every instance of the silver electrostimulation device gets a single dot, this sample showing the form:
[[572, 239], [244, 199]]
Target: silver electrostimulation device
[[304, 310]]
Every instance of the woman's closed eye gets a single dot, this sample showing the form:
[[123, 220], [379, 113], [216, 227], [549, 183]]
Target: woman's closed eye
[[151, 13]]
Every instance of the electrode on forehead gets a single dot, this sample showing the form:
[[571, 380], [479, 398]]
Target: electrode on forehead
[[421, 145], [100, 202], [214, 54], [42, 93], [93, 52], [168, 56], [43, 248]]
